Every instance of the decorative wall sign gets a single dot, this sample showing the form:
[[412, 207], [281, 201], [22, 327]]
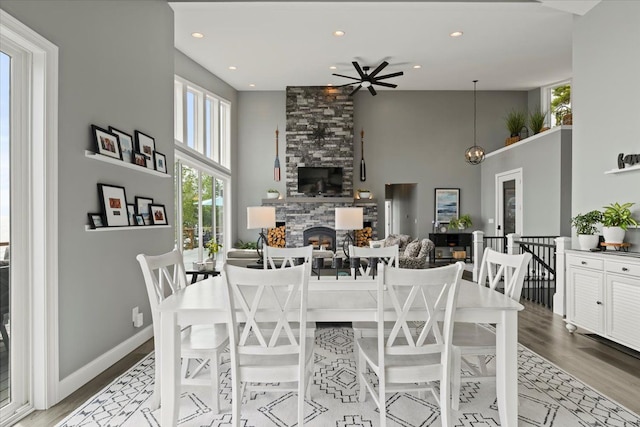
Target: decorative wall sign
[[447, 204], [114, 205], [629, 159]]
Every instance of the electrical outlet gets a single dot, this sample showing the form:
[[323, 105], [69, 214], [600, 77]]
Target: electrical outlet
[[134, 314], [139, 321]]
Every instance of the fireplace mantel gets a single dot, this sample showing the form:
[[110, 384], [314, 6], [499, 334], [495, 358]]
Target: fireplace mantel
[[341, 200]]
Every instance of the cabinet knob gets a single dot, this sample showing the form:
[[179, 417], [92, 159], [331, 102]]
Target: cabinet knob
[[625, 269], [599, 302], [583, 262]]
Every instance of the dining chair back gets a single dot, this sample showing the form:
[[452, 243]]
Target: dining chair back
[[388, 255], [287, 257], [164, 275], [470, 339], [272, 354], [406, 359]]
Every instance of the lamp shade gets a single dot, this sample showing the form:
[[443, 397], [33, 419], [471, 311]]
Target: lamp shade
[[261, 217], [349, 218]]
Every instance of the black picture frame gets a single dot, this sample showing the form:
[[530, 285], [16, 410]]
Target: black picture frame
[[131, 212], [95, 220], [142, 208], [447, 204], [160, 162], [138, 220], [146, 145], [113, 199], [126, 144], [107, 143], [158, 214], [140, 159]]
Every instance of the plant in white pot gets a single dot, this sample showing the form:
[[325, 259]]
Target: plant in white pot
[[616, 218], [460, 223], [272, 193], [586, 228]]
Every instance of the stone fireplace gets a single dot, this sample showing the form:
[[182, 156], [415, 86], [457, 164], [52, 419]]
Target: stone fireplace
[[320, 237]]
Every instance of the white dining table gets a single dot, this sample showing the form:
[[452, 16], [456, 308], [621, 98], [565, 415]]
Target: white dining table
[[336, 300]]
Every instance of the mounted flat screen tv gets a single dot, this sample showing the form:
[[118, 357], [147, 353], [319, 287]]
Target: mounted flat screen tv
[[320, 181]]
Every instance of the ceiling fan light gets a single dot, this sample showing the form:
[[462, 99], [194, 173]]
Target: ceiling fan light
[[365, 84]]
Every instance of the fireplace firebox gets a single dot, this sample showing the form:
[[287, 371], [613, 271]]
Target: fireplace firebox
[[320, 237]]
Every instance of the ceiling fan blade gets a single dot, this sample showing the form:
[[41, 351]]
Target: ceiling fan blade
[[355, 90], [384, 84], [387, 76], [378, 69], [348, 77], [372, 90], [347, 84], [358, 69]]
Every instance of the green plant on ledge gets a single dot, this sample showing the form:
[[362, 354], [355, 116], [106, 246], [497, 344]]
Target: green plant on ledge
[[272, 190], [213, 247], [585, 224], [245, 245], [536, 121], [461, 223], [515, 121], [617, 215]]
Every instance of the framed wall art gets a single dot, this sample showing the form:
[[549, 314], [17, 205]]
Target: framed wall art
[[146, 145], [114, 205], [142, 208], [95, 220], [447, 204], [106, 142], [126, 144], [161, 162], [140, 159], [131, 212], [138, 220], [158, 214]]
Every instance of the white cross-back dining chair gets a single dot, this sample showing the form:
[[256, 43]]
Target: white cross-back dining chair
[[470, 339], [275, 354], [406, 359], [164, 275], [287, 257]]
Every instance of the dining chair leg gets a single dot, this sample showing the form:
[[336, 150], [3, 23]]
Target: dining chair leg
[[214, 368], [155, 397], [445, 399], [236, 399], [184, 368], [456, 378], [301, 391], [382, 402], [362, 367]]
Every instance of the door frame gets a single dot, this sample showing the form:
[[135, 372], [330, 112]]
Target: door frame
[[514, 174]]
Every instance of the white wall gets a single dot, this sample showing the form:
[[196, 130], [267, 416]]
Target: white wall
[[606, 106]]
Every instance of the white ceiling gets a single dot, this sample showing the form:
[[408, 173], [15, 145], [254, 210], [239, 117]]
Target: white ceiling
[[506, 46]]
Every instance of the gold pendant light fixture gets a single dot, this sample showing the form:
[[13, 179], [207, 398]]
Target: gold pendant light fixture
[[475, 154]]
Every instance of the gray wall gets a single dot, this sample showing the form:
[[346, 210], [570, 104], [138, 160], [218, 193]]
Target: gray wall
[[116, 68], [546, 176], [605, 104]]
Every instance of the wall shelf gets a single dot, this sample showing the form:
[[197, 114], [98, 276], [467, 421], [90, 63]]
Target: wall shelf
[[627, 169], [131, 227], [100, 157]]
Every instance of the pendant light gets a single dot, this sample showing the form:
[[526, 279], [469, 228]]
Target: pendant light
[[474, 155]]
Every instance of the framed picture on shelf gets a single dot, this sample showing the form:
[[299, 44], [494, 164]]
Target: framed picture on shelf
[[126, 144], [106, 142], [447, 203], [146, 145], [142, 208], [114, 205], [161, 162], [95, 220], [138, 220], [140, 159], [131, 212], [158, 214]]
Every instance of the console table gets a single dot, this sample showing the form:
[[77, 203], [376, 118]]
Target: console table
[[451, 240]]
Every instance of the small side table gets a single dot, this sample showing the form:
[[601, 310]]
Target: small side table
[[205, 274], [624, 247]]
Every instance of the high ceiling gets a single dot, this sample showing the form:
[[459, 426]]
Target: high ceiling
[[505, 45]]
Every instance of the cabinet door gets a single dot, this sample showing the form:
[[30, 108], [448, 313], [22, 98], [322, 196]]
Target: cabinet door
[[585, 305], [623, 309]]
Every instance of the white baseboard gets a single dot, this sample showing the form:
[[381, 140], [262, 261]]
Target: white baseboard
[[89, 371]]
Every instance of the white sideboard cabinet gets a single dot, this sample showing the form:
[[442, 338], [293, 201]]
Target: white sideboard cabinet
[[603, 295]]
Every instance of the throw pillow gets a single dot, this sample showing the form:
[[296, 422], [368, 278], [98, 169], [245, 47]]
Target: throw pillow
[[413, 249], [392, 239]]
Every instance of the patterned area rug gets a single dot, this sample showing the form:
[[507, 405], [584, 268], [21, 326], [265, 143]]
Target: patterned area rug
[[548, 396]]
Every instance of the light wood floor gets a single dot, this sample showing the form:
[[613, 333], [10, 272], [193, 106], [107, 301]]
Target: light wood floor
[[609, 371]]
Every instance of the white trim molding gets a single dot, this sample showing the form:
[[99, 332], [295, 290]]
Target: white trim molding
[[40, 129]]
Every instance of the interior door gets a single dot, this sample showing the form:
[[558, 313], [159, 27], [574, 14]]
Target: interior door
[[509, 202]]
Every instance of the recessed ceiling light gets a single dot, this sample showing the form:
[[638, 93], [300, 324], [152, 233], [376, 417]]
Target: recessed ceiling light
[[233, 67], [197, 35], [252, 85], [456, 34], [333, 67], [338, 33], [329, 84], [417, 66]]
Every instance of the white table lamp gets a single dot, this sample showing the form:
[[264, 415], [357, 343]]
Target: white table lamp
[[261, 217], [348, 219]]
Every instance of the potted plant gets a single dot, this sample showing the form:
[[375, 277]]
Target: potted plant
[[586, 228], [536, 121], [461, 223], [515, 121], [272, 193], [616, 218], [213, 248], [363, 193]]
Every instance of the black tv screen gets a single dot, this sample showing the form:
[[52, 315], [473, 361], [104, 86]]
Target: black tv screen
[[320, 180]]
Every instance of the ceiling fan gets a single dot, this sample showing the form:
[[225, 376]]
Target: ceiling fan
[[367, 80]]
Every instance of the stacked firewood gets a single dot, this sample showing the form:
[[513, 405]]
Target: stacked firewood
[[364, 236], [276, 237]]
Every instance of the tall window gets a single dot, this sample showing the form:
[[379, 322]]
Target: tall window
[[202, 171], [557, 99]]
